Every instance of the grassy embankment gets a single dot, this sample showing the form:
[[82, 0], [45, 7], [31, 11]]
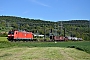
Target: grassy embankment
[[44, 50], [80, 45]]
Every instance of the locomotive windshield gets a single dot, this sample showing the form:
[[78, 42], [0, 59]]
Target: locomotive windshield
[[11, 32]]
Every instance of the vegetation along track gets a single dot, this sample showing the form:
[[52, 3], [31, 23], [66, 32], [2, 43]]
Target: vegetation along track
[[42, 53], [44, 50]]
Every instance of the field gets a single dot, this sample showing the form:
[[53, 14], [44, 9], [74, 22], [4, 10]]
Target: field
[[44, 50]]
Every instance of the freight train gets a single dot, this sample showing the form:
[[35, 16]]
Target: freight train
[[15, 35]]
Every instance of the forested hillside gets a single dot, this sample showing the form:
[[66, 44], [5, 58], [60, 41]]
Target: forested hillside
[[74, 28]]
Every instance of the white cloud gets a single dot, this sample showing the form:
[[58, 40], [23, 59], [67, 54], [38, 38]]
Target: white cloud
[[40, 3], [25, 12]]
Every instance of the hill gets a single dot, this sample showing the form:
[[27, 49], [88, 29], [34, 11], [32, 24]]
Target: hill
[[74, 28]]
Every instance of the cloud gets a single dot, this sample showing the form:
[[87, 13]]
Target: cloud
[[40, 3], [25, 12]]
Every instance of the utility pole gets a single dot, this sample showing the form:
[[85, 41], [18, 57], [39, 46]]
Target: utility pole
[[44, 32], [61, 27], [55, 29], [64, 31], [58, 28]]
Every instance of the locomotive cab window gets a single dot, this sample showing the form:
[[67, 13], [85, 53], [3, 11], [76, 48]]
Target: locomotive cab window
[[16, 32], [11, 32]]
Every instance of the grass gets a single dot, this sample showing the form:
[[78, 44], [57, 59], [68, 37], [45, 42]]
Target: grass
[[42, 53], [44, 50], [3, 39], [80, 45]]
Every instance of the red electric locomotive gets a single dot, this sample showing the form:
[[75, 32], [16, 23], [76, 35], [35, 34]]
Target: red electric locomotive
[[20, 35]]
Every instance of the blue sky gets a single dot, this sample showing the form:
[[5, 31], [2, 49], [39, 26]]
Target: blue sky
[[50, 10]]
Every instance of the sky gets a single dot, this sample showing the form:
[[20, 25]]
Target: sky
[[48, 10]]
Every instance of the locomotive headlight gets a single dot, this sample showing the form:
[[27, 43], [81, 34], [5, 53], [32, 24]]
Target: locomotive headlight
[[9, 35]]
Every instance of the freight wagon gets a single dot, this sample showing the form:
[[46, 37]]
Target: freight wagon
[[58, 38], [20, 35]]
